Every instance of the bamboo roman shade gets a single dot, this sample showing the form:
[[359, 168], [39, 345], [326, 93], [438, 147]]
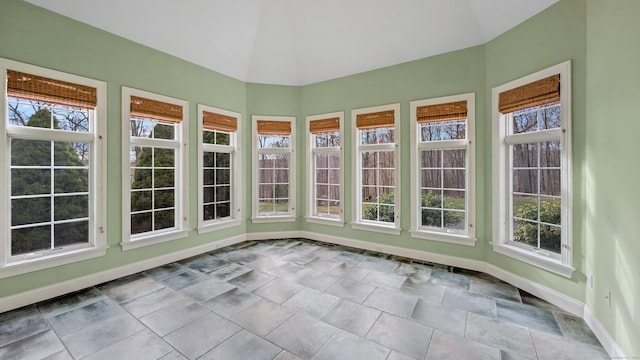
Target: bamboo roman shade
[[375, 120], [324, 125], [541, 92], [267, 127], [219, 122], [38, 88], [155, 109], [442, 112]]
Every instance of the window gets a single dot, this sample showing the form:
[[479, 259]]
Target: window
[[154, 168], [325, 177], [532, 161], [53, 139], [442, 175], [273, 169], [219, 168], [376, 132]]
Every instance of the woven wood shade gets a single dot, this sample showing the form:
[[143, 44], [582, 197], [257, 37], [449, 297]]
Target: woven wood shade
[[266, 127], [324, 125], [442, 112], [375, 120], [541, 92], [155, 109], [38, 88], [219, 122]]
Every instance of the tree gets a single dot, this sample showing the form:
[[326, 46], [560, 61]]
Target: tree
[[37, 181]]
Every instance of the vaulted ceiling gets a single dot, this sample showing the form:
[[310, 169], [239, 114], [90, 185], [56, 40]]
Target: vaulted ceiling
[[299, 42]]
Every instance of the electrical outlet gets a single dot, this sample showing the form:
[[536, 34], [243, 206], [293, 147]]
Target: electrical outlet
[[607, 297]]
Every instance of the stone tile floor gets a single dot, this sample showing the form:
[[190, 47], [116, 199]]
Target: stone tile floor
[[297, 299]]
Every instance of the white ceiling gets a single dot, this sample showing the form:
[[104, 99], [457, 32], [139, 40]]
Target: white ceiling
[[299, 42]]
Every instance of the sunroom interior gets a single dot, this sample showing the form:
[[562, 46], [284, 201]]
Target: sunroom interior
[[419, 166]]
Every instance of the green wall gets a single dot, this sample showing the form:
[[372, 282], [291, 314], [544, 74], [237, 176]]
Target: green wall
[[599, 36], [36, 36], [613, 167]]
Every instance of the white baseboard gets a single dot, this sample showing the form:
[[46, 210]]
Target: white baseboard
[[609, 344], [50, 291], [562, 301]]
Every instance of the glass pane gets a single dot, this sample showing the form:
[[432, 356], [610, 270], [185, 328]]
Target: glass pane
[[334, 176], [30, 211], [370, 212], [454, 220], [369, 159], [208, 177], [209, 212], [334, 161], [71, 180], [431, 159], [443, 130], [265, 176], [525, 155], [550, 117], [431, 199], [20, 111], [369, 194], [141, 179], [431, 178], [266, 206], [223, 210], [163, 199], [550, 238], [525, 207], [30, 181], [71, 233], [223, 160], [164, 219], [223, 176], [281, 191], [282, 176], [281, 161], [163, 158], [164, 131], [71, 154], [387, 213], [223, 193], [274, 142], [42, 118], [334, 207], [387, 177], [386, 195], [140, 223], [550, 154], [369, 177], [140, 200], [266, 161], [27, 240], [334, 192], [281, 206], [454, 179], [322, 161], [525, 232], [71, 207], [208, 137], [208, 194], [525, 121], [432, 218], [369, 136], [322, 176], [550, 211], [322, 191], [454, 199], [387, 159], [550, 182], [265, 191], [163, 178], [385, 135], [223, 138], [454, 158], [30, 152], [525, 181], [208, 159]]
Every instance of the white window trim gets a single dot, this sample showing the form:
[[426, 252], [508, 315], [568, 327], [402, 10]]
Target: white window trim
[[97, 245], [417, 231], [501, 244], [357, 222], [311, 164], [236, 173], [182, 163], [291, 217]]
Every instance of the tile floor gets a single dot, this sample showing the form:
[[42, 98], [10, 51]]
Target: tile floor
[[297, 299]]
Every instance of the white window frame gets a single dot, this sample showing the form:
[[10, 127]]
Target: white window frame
[[502, 243], [291, 216], [312, 150], [233, 149], [180, 144], [97, 242], [357, 148], [467, 237]]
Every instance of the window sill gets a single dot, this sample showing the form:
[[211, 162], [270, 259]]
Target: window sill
[[392, 230], [457, 239], [218, 225], [325, 221], [45, 262], [530, 257], [153, 239], [273, 219]]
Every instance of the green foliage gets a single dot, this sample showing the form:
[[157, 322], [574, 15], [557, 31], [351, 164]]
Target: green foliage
[[526, 232], [38, 181], [387, 212], [431, 217]]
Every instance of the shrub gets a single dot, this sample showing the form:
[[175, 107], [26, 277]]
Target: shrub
[[433, 217], [387, 213], [527, 232]]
